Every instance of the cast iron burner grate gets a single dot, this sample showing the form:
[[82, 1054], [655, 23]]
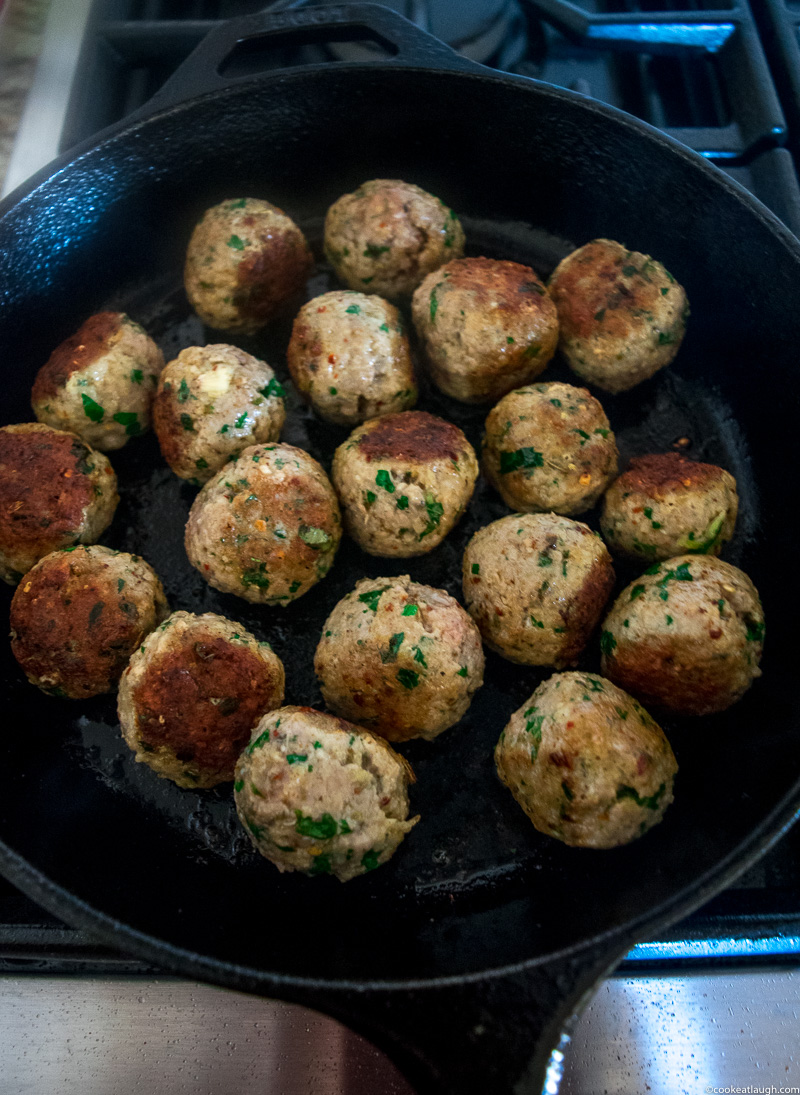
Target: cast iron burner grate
[[701, 74]]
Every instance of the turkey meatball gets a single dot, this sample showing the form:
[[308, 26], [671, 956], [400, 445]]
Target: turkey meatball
[[54, 492], [212, 402], [586, 762], [99, 383], [687, 635], [192, 694], [549, 448], [79, 614], [266, 527], [319, 795], [387, 235], [245, 262], [536, 584], [349, 357], [666, 505], [486, 326], [622, 315], [402, 658], [403, 481]]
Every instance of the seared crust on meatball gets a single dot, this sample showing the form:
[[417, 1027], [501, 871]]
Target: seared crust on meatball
[[387, 235], [486, 327], [349, 357], [266, 527], [192, 694], [79, 614], [549, 448], [622, 315], [404, 659], [586, 762], [213, 402], [245, 262], [687, 635], [536, 584], [99, 383], [666, 505], [319, 795], [404, 480], [54, 492]]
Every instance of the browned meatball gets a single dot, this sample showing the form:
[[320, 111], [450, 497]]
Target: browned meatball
[[192, 694], [666, 505], [403, 481], [687, 635], [486, 327], [586, 762], [79, 614], [245, 261], [549, 448], [622, 315], [54, 491], [100, 381], [536, 584], [387, 235]]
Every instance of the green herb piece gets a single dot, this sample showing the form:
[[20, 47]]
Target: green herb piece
[[273, 388], [599, 316], [236, 243], [257, 743], [333, 391], [255, 578], [476, 568], [384, 479], [669, 619], [521, 458], [137, 376], [371, 598], [296, 758], [187, 423], [637, 591], [434, 303], [371, 251], [240, 421], [321, 865], [353, 310], [755, 631], [629, 271], [537, 623], [556, 402], [369, 860], [92, 410], [462, 672], [545, 560], [202, 464], [366, 281], [369, 497], [384, 327], [323, 829], [120, 585], [343, 824], [316, 538], [408, 678], [650, 802], [130, 420], [419, 656], [395, 643], [222, 429], [607, 643], [402, 502], [293, 588], [183, 392], [409, 610], [435, 512]]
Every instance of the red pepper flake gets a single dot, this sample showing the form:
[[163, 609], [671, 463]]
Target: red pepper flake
[[332, 358]]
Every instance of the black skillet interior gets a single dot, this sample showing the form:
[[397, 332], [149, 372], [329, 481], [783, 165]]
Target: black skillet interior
[[533, 171]]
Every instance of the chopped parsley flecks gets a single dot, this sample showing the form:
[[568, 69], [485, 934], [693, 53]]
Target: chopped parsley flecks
[[520, 458], [257, 743], [395, 643], [323, 829], [321, 864], [93, 411], [371, 251], [236, 243], [316, 538], [130, 420], [410, 610], [384, 480], [184, 391], [137, 376], [434, 303], [476, 568], [637, 591], [650, 802], [370, 860], [419, 656], [296, 758], [371, 598], [608, 643], [240, 421], [402, 501], [408, 678], [755, 631], [202, 464], [369, 497], [435, 511], [255, 577], [353, 310], [273, 388], [537, 623], [462, 672], [187, 423], [293, 588]]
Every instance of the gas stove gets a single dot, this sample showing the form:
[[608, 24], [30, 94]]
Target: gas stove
[[725, 80]]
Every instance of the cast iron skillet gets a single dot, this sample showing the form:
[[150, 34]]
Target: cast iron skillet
[[466, 953]]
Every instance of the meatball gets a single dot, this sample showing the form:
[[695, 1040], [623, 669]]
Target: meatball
[[485, 326], [387, 235], [245, 262], [536, 584], [586, 763], [349, 357], [192, 694], [404, 480], [266, 527], [99, 383], [79, 614], [549, 448], [666, 505], [212, 402], [54, 492], [402, 658], [622, 315], [687, 635], [319, 795]]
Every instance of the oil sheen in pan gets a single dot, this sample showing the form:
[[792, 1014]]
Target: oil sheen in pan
[[472, 834]]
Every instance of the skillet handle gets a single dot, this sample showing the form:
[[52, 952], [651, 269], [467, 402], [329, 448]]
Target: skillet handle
[[203, 70], [496, 1035]]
